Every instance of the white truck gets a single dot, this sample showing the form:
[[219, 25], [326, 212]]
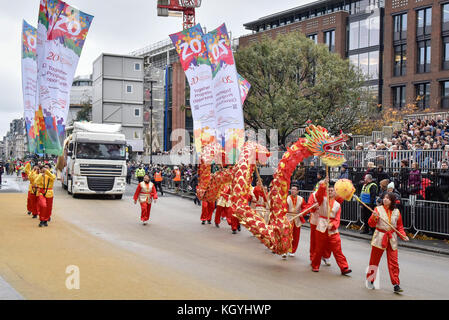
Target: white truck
[[94, 160]]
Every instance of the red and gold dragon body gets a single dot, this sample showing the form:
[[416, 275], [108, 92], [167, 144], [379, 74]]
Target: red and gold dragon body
[[276, 235]]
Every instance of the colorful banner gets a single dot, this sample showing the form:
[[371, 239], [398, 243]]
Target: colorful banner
[[245, 86], [227, 98], [29, 83], [194, 60], [61, 33]]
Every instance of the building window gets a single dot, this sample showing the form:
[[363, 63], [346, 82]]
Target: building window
[[400, 60], [445, 94], [400, 27], [137, 67], [424, 21], [313, 37], [129, 89], [446, 53], [368, 63], [329, 39], [354, 35], [364, 33], [137, 112], [445, 17], [424, 52], [423, 95], [398, 97]]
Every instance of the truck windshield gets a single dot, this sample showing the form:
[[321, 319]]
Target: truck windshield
[[103, 151]]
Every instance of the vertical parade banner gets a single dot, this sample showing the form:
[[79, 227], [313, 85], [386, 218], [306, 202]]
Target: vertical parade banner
[[245, 86], [29, 83], [61, 34], [226, 92], [193, 57]]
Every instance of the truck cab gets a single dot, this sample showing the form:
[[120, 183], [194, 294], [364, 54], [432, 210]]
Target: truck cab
[[95, 160]]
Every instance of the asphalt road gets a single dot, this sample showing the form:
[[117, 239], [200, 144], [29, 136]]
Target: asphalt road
[[189, 260]]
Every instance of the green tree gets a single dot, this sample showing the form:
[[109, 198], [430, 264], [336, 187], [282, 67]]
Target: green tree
[[84, 113], [294, 80]]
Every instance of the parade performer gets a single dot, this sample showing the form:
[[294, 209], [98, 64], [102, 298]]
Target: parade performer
[[145, 193], [313, 221], [32, 189], [327, 236], [259, 201], [44, 182], [223, 204], [296, 205], [207, 210], [386, 238]]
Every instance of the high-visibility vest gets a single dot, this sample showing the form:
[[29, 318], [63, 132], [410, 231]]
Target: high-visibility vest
[[140, 172], [177, 176], [365, 196], [157, 177]]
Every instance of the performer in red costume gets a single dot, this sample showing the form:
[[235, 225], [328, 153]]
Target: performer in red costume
[[313, 220], [327, 236], [385, 238], [295, 205], [259, 201], [223, 204], [146, 193], [206, 212]]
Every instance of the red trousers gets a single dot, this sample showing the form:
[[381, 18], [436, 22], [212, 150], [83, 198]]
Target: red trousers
[[332, 243], [232, 221], [207, 211], [220, 212], [326, 254], [145, 211], [392, 260], [295, 240], [32, 203], [44, 207]]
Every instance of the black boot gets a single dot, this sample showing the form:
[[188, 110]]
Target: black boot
[[217, 225], [29, 212], [234, 231], [45, 224], [35, 217], [203, 222], [41, 224], [239, 229], [397, 289], [208, 222]]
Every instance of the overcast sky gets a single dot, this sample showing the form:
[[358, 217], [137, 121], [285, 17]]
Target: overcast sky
[[119, 26]]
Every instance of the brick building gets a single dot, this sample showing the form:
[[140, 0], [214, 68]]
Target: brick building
[[401, 45]]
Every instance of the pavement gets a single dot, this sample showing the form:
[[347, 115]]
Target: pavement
[[176, 257]]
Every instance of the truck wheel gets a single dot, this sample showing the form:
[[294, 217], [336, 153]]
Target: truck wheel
[[118, 196]]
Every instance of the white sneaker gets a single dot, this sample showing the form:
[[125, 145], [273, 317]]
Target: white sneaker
[[284, 256], [291, 254], [326, 262]]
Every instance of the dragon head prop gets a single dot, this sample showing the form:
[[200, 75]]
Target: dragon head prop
[[328, 148]]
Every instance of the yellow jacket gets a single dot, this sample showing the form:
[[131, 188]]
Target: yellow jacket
[[45, 184], [32, 175]]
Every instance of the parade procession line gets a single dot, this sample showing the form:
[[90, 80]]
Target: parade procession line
[[34, 262]]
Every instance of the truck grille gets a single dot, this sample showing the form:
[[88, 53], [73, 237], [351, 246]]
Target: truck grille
[[100, 183], [101, 170]]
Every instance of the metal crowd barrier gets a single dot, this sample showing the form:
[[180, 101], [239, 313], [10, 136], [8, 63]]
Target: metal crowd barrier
[[432, 217]]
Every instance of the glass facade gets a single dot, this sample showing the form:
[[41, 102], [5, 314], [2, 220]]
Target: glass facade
[[364, 33], [313, 37], [445, 17], [368, 63]]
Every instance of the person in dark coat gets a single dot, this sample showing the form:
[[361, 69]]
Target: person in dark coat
[[311, 176]]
